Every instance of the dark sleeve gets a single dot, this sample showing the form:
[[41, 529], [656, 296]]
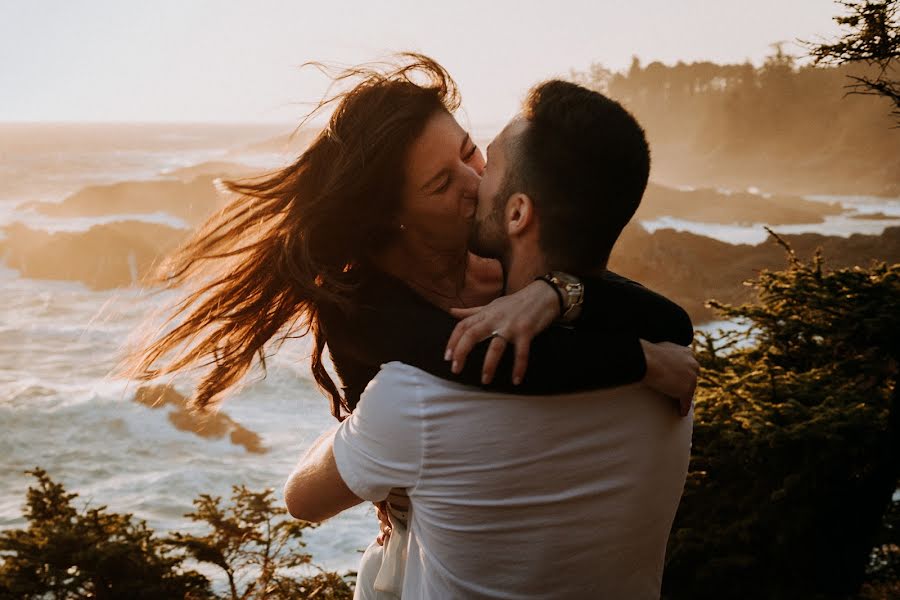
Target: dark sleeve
[[613, 302], [592, 355]]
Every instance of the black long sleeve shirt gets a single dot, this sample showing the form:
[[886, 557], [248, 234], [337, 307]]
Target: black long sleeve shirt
[[602, 349]]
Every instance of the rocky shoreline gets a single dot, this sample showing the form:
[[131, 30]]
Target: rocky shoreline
[[688, 268]]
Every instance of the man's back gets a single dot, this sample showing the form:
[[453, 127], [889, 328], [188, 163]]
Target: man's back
[[515, 496]]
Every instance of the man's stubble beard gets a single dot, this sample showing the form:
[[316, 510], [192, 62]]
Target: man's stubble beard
[[486, 237]]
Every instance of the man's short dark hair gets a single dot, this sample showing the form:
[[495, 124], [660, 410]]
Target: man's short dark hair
[[584, 161]]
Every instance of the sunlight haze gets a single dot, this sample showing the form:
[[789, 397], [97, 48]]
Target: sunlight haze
[[237, 61]]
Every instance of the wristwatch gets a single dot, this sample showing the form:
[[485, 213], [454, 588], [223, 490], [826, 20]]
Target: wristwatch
[[570, 292]]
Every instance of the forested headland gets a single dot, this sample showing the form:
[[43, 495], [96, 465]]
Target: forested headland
[[780, 126]]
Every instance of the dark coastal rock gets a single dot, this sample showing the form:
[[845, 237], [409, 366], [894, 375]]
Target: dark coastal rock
[[213, 425], [879, 216], [289, 145], [216, 169], [191, 201], [711, 206], [105, 256], [690, 269], [192, 194]]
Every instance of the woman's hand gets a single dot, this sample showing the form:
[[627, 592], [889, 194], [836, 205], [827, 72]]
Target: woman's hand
[[384, 521], [514, 319], [671, 370], [399, 500]]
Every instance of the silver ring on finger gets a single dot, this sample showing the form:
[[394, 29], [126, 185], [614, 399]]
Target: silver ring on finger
[[496, 334]]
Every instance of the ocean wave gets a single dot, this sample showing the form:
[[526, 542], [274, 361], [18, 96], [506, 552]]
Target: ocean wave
[[51, 224], [843, 225], [91, 436], [861, 204]]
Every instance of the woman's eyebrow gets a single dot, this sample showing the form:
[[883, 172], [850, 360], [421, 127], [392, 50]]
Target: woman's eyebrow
[[445, 171]]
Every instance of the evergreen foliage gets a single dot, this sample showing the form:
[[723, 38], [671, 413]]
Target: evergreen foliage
[[257, 547], [66, 554], [796, 449], [871, 36]]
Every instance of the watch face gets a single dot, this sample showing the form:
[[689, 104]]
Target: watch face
[[565, 279]]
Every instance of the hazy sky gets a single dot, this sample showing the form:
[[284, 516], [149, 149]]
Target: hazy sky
[[229, 60]]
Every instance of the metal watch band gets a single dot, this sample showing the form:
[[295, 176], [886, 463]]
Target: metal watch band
[[570, 291]]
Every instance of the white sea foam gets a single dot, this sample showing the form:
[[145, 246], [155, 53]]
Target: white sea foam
[[53, 224], [843, 225], [61, 410]]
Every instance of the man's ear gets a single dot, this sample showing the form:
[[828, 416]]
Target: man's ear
[[520, 214]]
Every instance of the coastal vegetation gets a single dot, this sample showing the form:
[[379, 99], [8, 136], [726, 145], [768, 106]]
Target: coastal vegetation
[[68, 552], [782, 125], [796, 448]]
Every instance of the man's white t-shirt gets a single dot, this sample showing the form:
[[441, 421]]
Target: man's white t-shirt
[[569, 496]]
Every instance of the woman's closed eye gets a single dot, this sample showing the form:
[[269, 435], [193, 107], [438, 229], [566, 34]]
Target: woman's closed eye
[[444, 186], [470, 154]]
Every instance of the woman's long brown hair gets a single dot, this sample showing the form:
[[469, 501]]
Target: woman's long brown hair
[[291, 241]]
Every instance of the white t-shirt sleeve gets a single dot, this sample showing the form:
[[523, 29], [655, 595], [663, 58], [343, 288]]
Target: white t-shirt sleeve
[[379, 446]]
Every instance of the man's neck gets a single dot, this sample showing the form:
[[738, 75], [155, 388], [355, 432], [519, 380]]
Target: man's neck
[[523, 265], [526, 264]]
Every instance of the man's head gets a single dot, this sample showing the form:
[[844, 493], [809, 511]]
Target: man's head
[[572, 168]]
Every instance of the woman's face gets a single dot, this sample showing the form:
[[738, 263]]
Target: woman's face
[[443, 169]]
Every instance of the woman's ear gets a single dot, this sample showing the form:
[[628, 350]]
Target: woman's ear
[[519, 214]]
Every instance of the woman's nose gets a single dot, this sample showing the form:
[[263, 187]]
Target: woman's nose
[[473, 178]]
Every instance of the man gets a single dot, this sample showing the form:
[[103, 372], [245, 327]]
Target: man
[[515, 496]]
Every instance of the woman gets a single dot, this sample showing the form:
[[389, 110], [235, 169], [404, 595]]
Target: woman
[[362, 243]]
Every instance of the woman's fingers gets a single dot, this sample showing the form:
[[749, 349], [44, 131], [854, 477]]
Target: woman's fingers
[[458, 332], [523, 346], [492, 358], [462, 313], [384, 522], [473, 334], [383, 536]]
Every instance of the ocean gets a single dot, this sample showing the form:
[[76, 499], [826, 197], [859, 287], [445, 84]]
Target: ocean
[[60, 407]]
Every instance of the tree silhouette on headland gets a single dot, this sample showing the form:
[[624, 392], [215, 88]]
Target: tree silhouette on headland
[[873, 38], [780, 126]]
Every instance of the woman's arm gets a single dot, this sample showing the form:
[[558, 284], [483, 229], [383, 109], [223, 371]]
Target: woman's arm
[[514, 319], [399, 325], [613, 301]]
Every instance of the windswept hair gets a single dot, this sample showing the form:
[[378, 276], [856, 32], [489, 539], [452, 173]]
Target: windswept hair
[[297, 239]]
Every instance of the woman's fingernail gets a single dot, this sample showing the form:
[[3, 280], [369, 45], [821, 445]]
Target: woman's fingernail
[[448, 354], [517, 380], [455, 366], [484, 378]]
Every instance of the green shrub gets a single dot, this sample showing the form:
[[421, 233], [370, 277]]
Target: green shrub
[[65, 553], [796, 451]]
